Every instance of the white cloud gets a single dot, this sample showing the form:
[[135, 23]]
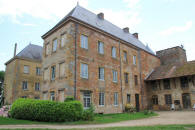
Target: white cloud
[[176, 29], [131, 3]]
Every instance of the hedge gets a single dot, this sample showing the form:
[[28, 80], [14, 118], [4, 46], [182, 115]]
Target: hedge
[[44, 110]]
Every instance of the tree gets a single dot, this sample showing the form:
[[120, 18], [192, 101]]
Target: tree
[[2, 74]]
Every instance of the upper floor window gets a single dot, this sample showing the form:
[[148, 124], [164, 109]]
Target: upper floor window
[[168, 99], [114, 52], [114, 73], [55, 44], [101, 99], [37, 86], [62, 69], [154, 85], [24, 85], [166, 83], [155, 99], [63, 39], [126, 77], [84, 71], [125, 56], [101, 73], [100, 47], [84, 42], [53, 72], [116, 99], [136, 80], [38, 71], [184, 82], [134, 60], [26, 69]]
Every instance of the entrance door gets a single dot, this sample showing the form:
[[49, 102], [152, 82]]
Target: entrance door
[[186, 100], [137, 102]]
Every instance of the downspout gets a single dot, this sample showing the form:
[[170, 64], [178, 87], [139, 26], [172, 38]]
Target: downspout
[[121, 76], [141, 83], [75, 55]]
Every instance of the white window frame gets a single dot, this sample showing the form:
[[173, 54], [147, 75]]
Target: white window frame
[[25, 85], [86, 98], [84, 71], [84, 41], [101, 99], [134, 60], [114, 52], [26, 69], [100, 47], [115, 99], [101, 73], [115, 76], [37, 86], [55, 45]]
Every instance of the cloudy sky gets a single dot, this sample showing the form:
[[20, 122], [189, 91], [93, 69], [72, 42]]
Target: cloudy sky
[[160, 23]]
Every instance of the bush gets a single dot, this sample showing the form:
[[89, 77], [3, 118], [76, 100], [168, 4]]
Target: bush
[[44, 110], [130, 108], [88, 114], [69, 98]]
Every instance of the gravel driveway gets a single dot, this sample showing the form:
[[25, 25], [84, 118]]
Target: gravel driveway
[[164, 118]]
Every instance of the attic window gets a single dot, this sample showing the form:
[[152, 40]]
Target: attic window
[[101, 16]]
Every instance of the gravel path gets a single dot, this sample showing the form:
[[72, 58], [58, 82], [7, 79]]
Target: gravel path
[[164, 118]]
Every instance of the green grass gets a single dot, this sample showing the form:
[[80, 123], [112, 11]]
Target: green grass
[[99, 119]]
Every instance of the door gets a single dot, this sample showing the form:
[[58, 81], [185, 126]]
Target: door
[[186, 100], [137, 102]]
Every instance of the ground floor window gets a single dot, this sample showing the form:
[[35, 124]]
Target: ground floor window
[[37, 97], [87, 99], [24, 96], [168, 99], [128, 98], [52, 96], [116, 99], [101, 99], [155, 100]]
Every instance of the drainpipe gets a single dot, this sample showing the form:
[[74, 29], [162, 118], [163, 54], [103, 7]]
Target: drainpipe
[[75, 55], [121, 76]]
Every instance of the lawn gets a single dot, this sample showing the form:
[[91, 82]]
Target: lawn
[[99, 119]]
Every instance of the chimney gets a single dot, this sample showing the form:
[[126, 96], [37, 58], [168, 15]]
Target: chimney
[[101, 16], [126, 30], [15, 48], [136, 35]]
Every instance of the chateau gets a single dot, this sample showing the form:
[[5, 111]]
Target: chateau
[[87, 57]]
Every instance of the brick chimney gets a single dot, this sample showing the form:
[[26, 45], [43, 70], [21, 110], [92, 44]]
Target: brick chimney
[[101, 16], [136, 35], [126, 30], [15, 49]]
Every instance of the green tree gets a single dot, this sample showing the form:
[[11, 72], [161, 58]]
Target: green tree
[[2, 74]]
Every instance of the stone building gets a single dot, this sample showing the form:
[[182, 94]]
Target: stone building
[[88, 57], [173, 82], [23, 74]]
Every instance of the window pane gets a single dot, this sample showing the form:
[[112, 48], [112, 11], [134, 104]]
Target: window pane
[[55, 43], [114, 52], [101, 98], [38, 71], [101, 73], [114, 75], [116, 98], [134, 60], [26, 69], [125, 56], [84, 41], [53, 69], [100, 47], [84, 70]]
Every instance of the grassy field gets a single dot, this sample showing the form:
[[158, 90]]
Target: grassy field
[[99, 119]]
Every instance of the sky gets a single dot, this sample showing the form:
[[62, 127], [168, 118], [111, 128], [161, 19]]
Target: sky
[[160, 23]]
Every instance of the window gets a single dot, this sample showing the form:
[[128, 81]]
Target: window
[[47, 49], [24, 85], [101, 99], [24, 96], [53, 72], [114, 73], [37, 86], [114, 52], [155, 100], [126, 77], [37, 98], [134, 60], [100, 47], [154, 85], [62, 69], [101, 73], [116, 99], [128, 98], [87, 99], [52, 96], [26, 69], [136, 80], [84, 70], [38, 71], [125, 56], [63, 39], [184, 82], [84, 42], [168, 99], [55, 44], [166, 83]]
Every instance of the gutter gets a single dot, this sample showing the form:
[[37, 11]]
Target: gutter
[[121, 76], [75, 55]]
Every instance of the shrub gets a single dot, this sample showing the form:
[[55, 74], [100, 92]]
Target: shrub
[[69, 98], [88, 114], [130, 108], [44, 110]]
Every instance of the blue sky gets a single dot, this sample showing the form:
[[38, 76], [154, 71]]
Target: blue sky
[[160, 23]]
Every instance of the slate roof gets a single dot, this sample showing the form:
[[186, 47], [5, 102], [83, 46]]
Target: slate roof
[[31, 51], [92, 19], [171, 71]]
